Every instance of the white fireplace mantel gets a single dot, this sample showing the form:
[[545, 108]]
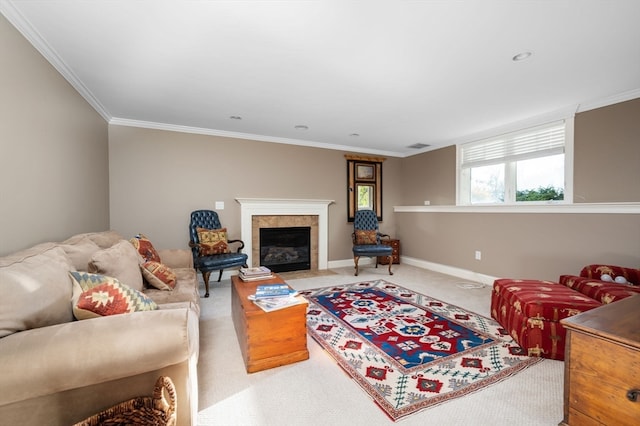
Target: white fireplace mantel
[[250, 207]]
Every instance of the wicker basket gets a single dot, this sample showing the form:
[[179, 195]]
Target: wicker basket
[[143, 410]]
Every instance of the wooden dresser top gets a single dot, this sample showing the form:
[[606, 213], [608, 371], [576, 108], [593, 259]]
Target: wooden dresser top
[[618, 321]]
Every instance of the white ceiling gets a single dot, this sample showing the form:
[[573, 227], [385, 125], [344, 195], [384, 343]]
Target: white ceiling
[[396, 73]]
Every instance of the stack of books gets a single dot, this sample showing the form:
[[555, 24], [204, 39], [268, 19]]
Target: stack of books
[[272, 297], [255, 274]]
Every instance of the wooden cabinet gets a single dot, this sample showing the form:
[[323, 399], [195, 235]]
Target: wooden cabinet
[[395, 244], [602, 365], [267, 339]]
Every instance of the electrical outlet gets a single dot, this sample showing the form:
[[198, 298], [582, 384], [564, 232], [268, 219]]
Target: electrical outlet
[[219, 205], [478, 255], [427, 203]]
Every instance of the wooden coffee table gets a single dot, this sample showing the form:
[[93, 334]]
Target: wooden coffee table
[[267, 339]]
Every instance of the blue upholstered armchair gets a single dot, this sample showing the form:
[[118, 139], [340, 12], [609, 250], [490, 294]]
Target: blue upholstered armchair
[[214, 254], [367, 239]]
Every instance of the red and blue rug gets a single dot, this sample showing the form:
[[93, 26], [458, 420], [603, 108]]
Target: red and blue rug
[[409, 351]]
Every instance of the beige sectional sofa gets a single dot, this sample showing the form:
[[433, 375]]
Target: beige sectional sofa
[[57, 370]]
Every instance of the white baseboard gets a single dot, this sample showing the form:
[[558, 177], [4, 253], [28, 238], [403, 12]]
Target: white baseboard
[[450, 270], [436, 267]]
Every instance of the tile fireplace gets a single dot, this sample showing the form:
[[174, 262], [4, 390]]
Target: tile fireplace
[[259, 213]]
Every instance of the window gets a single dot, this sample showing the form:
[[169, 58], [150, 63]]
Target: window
[[364, 185], [526, 166]]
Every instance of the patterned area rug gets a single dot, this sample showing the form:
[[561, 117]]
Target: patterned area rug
[[409, 351]]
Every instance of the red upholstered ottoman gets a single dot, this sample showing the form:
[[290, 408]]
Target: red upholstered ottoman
[[602, 291], [531, 310]]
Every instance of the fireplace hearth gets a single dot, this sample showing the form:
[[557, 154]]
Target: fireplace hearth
[[286, 249]]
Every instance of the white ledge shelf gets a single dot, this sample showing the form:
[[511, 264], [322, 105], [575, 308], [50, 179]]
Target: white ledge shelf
[[578, 208]]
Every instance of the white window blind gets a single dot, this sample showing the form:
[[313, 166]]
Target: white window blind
[[535, 142]]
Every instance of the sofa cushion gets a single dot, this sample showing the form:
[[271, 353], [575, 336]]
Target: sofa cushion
[[111, 298], [186, 290], [212, 241], [79, 354], [145, 248], [158, 275], [366, 237], [80, 252], [103, 239], [120, 261], [36, 289]]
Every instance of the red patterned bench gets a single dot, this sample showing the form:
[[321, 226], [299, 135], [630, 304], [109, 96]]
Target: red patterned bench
[[531, 310], [590, 284]]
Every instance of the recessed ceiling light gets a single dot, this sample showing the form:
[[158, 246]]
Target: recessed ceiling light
[[301, 127], [522, 56], [235, 117]]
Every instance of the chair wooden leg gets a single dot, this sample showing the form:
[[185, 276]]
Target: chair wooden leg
[[390, 262], [355, 260], [205, 277]]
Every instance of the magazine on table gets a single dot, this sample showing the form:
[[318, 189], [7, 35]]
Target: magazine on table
[[269, 291], [277, 303]]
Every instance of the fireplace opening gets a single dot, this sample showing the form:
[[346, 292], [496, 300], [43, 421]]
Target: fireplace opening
[[286, 249]]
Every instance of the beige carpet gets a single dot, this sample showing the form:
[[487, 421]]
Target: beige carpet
[[318, 392]]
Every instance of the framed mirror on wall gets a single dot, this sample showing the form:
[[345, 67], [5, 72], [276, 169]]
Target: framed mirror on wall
[[364, 185]]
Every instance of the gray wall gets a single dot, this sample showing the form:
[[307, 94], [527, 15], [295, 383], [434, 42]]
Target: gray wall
[[607, 154], [158, 177], [54, 168], [518, 245]]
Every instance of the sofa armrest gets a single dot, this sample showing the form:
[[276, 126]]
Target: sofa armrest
[[76, 354], [595, 271], [176, 258]]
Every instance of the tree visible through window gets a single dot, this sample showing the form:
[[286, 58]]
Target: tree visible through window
[[519, 167]]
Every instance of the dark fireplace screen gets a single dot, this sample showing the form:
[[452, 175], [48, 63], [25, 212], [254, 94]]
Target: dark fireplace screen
[[285, 249]]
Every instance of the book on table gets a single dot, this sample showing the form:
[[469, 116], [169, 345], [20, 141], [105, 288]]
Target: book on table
[[269, 291], [277, 303], [255, 274], [255, 271], [256, 278]]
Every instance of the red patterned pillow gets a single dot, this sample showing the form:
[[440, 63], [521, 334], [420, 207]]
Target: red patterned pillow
[[212, 241], [111, 298], [159, 275], [366, 237], [145, 248]]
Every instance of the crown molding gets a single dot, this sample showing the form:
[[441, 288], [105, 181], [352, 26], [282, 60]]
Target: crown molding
[[25, 28], [237, 135], [609, 100]]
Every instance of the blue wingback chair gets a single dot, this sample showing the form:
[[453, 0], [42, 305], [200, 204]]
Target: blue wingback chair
[[217, 262], [366, 238]]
